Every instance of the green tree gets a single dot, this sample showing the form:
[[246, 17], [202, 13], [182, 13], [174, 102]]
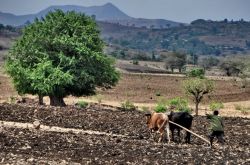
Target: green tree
[[176, 60], [60, 55], [208, 62], [232, 67], [197, 88]]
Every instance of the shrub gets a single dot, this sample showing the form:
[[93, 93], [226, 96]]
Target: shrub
[[215, 106], [160, 108], [196, 72], [161, 105], [237, 107], [243, 110], [178, 103], [158, 93], [127, 105], [135, 62], [82, 104], [144, 109], [99, 98]]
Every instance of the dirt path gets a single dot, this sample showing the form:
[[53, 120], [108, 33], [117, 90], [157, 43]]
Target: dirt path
[[9, 124]]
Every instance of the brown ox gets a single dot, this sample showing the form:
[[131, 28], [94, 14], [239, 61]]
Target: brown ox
[[158, 122]]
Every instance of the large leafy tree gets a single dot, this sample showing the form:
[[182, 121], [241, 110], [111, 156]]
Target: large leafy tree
[[60, 55]]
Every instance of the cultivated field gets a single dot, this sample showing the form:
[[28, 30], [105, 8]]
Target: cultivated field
[[113, 137], [108, 135]]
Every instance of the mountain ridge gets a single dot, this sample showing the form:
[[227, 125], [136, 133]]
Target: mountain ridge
[[107, 12]]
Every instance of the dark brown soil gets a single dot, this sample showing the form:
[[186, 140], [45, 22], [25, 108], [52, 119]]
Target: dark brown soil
[[23, 146]]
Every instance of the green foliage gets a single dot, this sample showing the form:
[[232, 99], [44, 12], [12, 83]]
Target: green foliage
[[196, 72], [161, 105], [127, 105], [243, 110], [197, 88], [208, 62], [59, 55], [179, 104], [12, 99], [157, 93], [160, 108], [82, 104], [232, 67], [145, 109], [216, 106], [99, 98], [135, 62], [176, 60]]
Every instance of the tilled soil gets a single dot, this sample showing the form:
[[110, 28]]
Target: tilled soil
[[24, 146]]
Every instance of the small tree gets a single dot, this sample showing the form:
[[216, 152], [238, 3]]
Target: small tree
[[176, 60], [232, 67], [60, 55], [197, 88], [196, 72]]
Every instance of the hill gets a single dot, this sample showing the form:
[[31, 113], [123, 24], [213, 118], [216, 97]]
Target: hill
[[107, 13], [201, 37]]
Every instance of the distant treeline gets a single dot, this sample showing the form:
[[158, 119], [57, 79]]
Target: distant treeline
[[201, 37]]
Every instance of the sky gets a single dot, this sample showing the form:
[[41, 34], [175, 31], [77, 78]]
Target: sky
[[176, 10]]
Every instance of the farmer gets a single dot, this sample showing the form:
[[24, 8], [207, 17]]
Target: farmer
[[216, 127]]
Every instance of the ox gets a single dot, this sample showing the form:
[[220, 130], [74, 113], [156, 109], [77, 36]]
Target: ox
[[158, 122], [182, 118]]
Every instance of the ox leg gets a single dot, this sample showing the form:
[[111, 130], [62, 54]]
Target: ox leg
[[172, 132], [179, 135], [167, 130], [161, 137], [188, 137]]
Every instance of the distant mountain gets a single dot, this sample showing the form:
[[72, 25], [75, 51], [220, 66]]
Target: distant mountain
[[107, 13]]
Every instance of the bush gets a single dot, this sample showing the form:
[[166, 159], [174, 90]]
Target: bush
[[216, 106], [160, 108], [144, 109], [82, 104], [99, 98], [243, 110], [127, 105], [196, 72], [177, 103], [161, 105], [135, 62], [158, 94]]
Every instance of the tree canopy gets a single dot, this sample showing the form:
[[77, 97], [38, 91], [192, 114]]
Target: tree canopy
[[176, 60], [60, 55], [197, 88]]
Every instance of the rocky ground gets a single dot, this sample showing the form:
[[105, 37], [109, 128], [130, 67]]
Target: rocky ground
[[29, 146]]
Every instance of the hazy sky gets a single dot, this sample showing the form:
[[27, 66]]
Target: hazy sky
[[176, 10]]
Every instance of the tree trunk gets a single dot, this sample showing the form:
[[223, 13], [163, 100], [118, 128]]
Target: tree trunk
[[172, 70], [40, 99], [57, 101], [196, 108]]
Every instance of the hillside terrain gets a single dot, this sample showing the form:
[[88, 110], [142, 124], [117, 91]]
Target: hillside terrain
[[124, 34], [107, 12], [200, 37]]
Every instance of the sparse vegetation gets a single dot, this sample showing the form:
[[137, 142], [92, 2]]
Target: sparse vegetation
[[128, 105], [216, 106], [196, 72], [161, 105], [242, 109], [178, 104], [82, 104]]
